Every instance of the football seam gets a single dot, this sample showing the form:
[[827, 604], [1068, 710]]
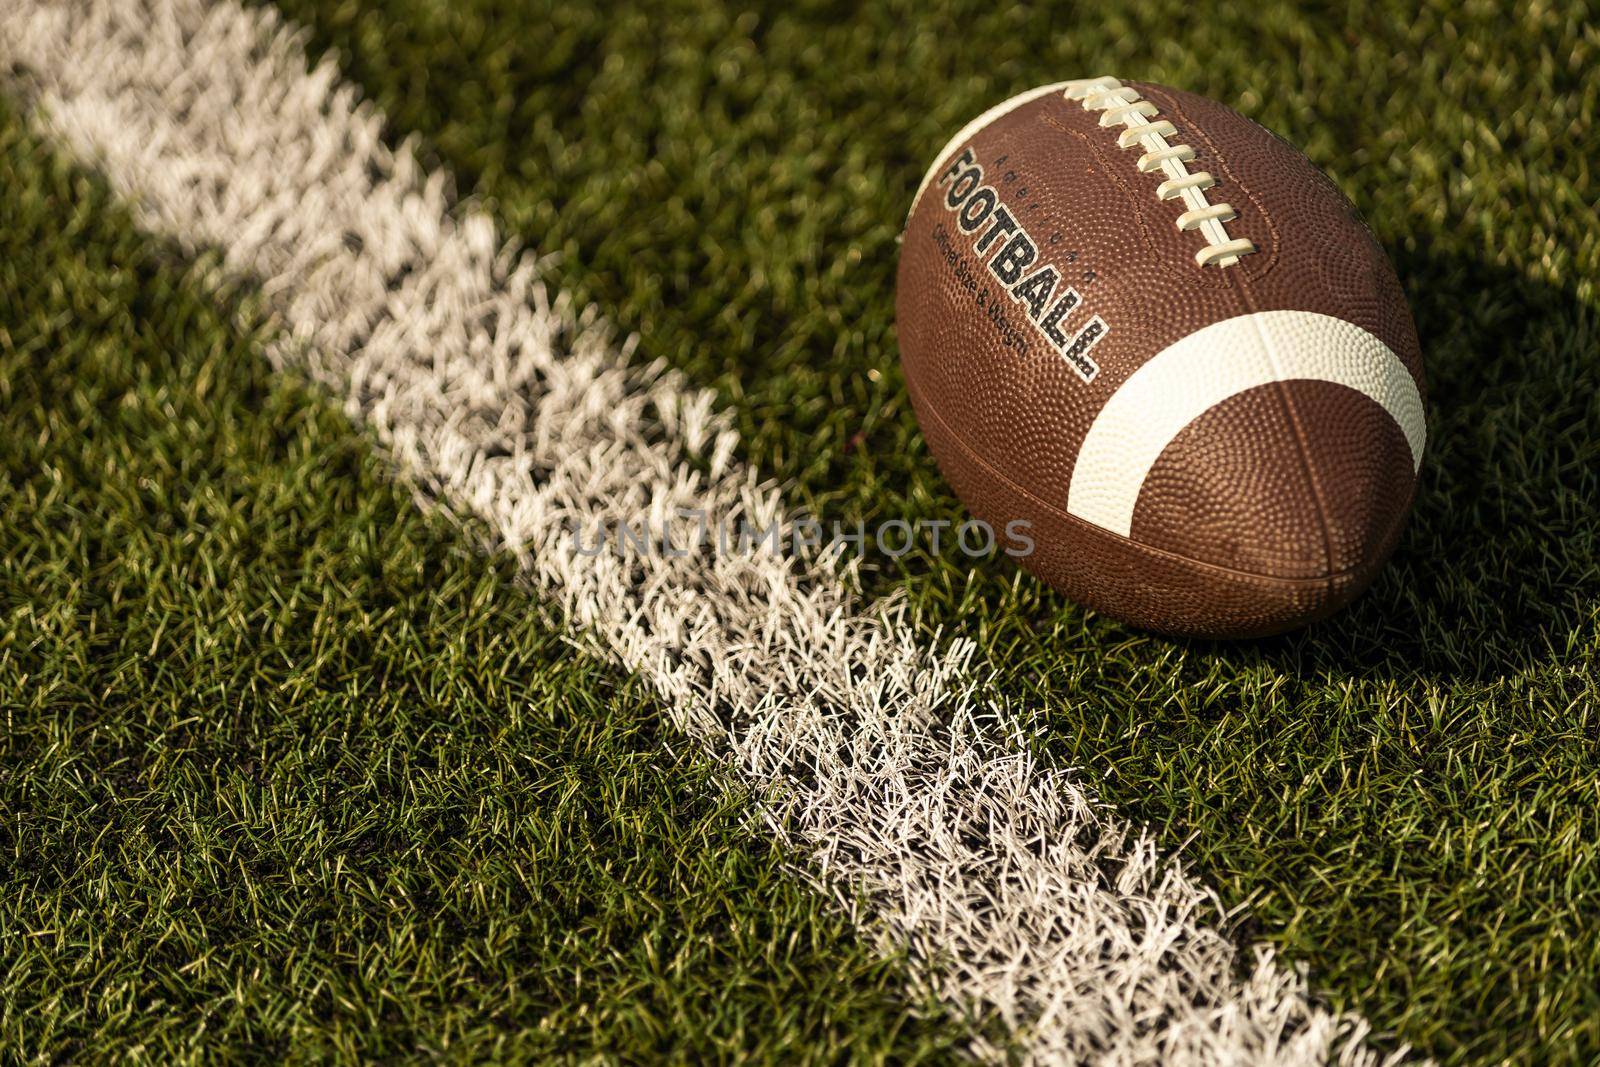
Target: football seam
[[1301, 444], [1261, 261], [1268, 255], [1326, 581], [1124, 105]]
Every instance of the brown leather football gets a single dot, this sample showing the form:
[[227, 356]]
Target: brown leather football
[[1155, 333]]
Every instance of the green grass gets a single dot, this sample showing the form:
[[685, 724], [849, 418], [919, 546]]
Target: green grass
[[1407, 795], [290, 770], [229, 647]]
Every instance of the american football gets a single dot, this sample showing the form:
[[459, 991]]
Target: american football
[[507, 513], [1153, 330]]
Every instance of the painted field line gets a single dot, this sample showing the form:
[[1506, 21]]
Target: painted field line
[[1022, 900]]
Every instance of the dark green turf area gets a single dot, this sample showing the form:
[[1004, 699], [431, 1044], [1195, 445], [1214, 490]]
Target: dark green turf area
[[289, 770], [1408, 796]]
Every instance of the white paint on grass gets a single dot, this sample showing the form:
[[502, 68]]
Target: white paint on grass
[[1022, 901]]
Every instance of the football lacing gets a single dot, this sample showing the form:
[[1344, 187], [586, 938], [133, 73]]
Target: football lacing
[[1120, 104]]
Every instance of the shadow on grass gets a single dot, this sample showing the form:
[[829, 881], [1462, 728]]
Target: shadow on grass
[[1403, 794], [1499, 569]]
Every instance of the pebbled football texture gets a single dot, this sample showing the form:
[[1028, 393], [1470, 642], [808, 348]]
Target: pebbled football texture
[[1204, 395]]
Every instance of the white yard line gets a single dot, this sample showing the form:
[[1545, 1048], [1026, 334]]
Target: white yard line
[[1022, 900]]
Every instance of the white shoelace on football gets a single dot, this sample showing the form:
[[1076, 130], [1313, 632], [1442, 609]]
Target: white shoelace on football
[[913, 801], [1120, 104]]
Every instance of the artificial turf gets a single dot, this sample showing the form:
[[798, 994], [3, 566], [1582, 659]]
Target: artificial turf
[[291, 771], [1405, 797]]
